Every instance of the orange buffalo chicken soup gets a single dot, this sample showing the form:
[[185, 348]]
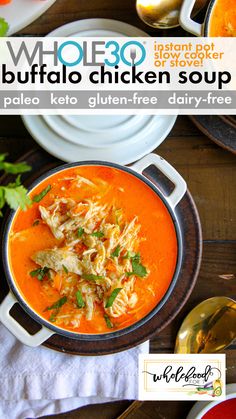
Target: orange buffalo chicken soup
[[223, 18], [95, 252]]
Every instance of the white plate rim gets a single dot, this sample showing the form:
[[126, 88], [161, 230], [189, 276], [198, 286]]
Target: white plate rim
[[128, 140], [98, 130], [60, 151], [68, 30], [80, 26], [37, 11]]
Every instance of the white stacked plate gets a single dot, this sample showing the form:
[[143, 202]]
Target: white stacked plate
[[118, 138]]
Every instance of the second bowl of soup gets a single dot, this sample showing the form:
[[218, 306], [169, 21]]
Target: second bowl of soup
[[220, 19]]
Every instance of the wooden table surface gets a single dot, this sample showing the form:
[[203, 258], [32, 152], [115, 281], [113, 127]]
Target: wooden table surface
[[210, 173]]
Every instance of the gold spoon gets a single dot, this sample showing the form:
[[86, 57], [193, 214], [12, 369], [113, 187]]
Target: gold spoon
[[163, 14], [208, 328]]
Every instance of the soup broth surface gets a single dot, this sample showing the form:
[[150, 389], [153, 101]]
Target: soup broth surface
[[95, 252], [223, 18]]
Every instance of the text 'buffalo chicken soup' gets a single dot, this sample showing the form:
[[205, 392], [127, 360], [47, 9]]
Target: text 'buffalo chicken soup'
[[95, 252]]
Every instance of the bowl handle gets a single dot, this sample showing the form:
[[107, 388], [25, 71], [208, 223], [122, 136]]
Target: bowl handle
[[185, 18], [16, 329], [168, 171]]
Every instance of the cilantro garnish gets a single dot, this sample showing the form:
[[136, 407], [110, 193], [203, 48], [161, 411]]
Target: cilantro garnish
[[80, 232], [98, 234], [57, 304], [56, 308], [65, 269], [108, 321], [79, 299], [13, 168], [112, 297], [91, 277], [3, 27], [40, 273], [116, 252], [41, 195], [14, 194], [137, 268]]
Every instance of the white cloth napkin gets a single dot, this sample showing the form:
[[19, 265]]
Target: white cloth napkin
[[38, 381]]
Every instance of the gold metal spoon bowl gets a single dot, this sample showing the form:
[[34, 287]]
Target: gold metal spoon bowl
[[208, 328], [163, 14]]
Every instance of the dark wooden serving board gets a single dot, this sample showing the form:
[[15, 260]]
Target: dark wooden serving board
[[220, 129], [192, 243]]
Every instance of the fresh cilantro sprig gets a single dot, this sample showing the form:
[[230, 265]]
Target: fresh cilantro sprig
[[98, 234], [108, 321], [14, 194], [79, 299], [91, 277], [40, 273], [56, 308], [80, 232], [3, 27], [112, 297], [37, 198], [13, 168], [137, 268], [58, 304], [116, 252]]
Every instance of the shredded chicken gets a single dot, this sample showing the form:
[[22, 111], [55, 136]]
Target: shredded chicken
[[93, 256], [59, 260]]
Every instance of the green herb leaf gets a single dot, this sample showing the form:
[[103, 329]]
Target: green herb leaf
[[58, 304], [16, 197], [116, 252], [98, 234], [136, 257], [65, 269], [13, 168], [91, 277], [40, 273], [14, 194], [79, 299], [2, 198], [3, 27], [3, 156], [139, 269], [36, 223], [108, 321], [80, 232], [129, 255], [112, 297], [53, 316], [41, 195]]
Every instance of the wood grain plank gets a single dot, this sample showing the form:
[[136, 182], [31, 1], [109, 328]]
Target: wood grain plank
[[98, 411], [148, 410], [131, 410], [210, 173], [162, 410]]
